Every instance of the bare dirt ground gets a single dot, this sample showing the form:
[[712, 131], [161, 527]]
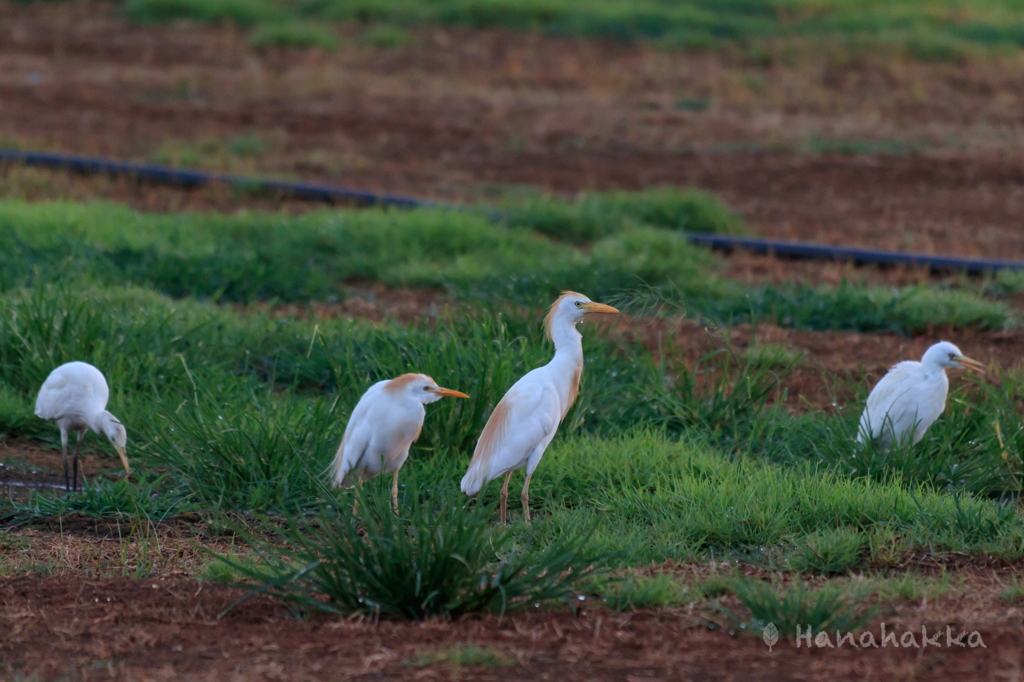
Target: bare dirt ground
[[168, 628], [456, 113]]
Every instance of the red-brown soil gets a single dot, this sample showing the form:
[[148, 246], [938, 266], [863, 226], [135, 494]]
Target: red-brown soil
[[455, 112], [168, 628]]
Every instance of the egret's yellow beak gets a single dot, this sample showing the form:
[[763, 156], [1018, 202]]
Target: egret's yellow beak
[[448, 392], [124, 458], [592, 307], [970, 364]]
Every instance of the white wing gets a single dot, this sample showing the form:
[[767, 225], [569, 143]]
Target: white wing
[[357, 436], [902, 400], [525, 419], [75, 389]]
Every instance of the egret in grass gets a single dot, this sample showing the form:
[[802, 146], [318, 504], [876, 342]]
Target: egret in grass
[[384, 423], [911, 396], [526, 419], [75, 397]]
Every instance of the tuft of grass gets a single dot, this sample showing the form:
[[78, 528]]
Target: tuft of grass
[[436, 557], [461, 654], [593, 215], [107, 499], [241, 12], [246, 145], [1013, 592], [772, 357], [829, 552], [912, 587], [384, 36], [290, 33], [822, 610], [660, 590]]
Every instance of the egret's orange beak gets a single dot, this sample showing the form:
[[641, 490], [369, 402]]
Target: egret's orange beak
[[970, 364], [124, 458], [592, 307], [447, 392]]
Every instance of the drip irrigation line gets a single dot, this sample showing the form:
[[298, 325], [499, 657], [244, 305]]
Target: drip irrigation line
[[162, 175], [858, 256], [334, 194]]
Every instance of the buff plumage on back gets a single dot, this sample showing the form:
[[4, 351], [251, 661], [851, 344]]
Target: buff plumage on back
[[489, 443], [549, 319]]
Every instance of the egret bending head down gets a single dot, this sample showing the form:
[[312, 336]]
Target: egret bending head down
[[527, 418], [911, 396], [75, 396], [383, 425]]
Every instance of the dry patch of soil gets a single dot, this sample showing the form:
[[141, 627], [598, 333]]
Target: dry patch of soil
[[163, 628]]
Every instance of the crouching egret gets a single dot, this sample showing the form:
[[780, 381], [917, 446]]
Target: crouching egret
[[911, 396], [75, 397], [526, 419], [384, 423]]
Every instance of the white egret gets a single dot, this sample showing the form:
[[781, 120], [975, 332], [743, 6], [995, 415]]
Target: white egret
[[911, 396], [384, 423], [75, 397], [526, 419]]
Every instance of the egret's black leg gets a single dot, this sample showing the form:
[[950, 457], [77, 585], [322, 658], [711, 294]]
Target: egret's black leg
[[81, 434]]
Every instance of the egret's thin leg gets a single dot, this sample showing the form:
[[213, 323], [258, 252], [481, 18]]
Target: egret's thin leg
[[74, 485], [525, 499], [359, 488], [504, 497], [64, 457], [394, 493]]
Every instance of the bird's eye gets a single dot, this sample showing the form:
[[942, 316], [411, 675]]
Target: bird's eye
[[426, 388], [952, 355], [578, 304]]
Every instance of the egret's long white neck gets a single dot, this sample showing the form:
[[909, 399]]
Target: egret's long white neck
[[98, 422], [567, 339], [567, 365]]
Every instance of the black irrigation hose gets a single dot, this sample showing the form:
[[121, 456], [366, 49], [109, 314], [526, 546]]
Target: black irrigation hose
[[162, 175], [807, 250], [331, 194]]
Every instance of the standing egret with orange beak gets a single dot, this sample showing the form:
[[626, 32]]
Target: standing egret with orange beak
[[384, 423], [75, 397], [526, 419]]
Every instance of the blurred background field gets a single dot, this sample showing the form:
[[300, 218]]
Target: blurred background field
[[706, 482]]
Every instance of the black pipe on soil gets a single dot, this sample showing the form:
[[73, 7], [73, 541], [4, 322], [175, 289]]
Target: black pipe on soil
[[333, 194], [189, 179]]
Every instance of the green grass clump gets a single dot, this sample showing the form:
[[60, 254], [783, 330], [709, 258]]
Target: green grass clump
[[384, 36], [1013, 592], [241, 12], [436, 557], [829, 552], [827, 609], [593, 215], [300, 34], [465, 654], [153, 500], [660, 590]]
